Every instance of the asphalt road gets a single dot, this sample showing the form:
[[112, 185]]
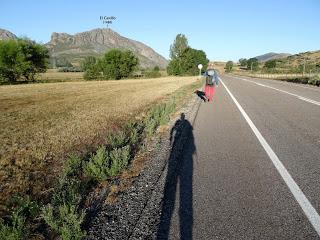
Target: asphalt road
[[238, 181]]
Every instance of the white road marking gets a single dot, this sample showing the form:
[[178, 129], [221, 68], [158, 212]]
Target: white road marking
[[292, 94], [304, 203]]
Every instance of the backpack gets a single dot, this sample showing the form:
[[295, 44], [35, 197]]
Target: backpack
[[209, 80]]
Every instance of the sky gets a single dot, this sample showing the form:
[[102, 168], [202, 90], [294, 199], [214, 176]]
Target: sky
[[225, 30]]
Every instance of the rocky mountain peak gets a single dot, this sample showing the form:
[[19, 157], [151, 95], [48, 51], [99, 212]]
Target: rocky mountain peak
[[96, 42], [5, 34]]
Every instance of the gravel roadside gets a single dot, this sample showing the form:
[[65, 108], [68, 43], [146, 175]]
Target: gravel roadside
[[136, 213]]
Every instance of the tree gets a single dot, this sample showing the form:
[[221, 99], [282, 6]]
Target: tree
[[174, 68], [229, 66], [10, 57], [243, 62], [187, 63], [21, 59], [92, 72], [190, 60], [179, 45], [271, 64], [35, 59], [154, 73], [88, 62], [63, 62], [90, 67], [252, 64], [117, 64]]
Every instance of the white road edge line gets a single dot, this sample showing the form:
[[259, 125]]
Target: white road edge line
[[304, 203], [292, 94]]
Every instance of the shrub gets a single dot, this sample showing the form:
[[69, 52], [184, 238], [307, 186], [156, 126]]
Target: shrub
[[72, 166], [92, 73], [97, 166], [15, 230], [133, 131], [117, 140], [62, 214], [151, 126], [119, 159], [152, 74], [69, 69], [65, 221], [159, 115], [315, 81], [67, 191], [88, 62], [229, 66]]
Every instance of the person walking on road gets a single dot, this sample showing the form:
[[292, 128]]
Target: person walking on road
[[211, 81]]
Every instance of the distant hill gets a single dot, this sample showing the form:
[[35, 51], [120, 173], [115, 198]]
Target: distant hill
[[96, 42], [311, 57], [5, 35], [271, 55]]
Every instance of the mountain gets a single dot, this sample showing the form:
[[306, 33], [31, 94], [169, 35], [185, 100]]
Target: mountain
[[5, 35], [96, 42], [271, 55]]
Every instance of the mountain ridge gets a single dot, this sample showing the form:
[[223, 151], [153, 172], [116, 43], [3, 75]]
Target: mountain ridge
[[95, 42]]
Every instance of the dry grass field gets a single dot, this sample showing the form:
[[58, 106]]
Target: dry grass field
[[42, 123], [218, 66], [52, 75]]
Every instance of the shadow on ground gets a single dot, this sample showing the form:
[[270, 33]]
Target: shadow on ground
[[178, 185], [201, 95]]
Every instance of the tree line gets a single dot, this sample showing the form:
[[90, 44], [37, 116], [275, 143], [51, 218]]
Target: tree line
[[21, 60], [249, 64]]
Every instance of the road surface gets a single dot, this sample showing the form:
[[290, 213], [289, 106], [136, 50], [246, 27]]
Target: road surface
[[251, 169]]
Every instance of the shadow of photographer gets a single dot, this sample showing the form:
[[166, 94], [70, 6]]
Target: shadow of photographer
[[178, 185]]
